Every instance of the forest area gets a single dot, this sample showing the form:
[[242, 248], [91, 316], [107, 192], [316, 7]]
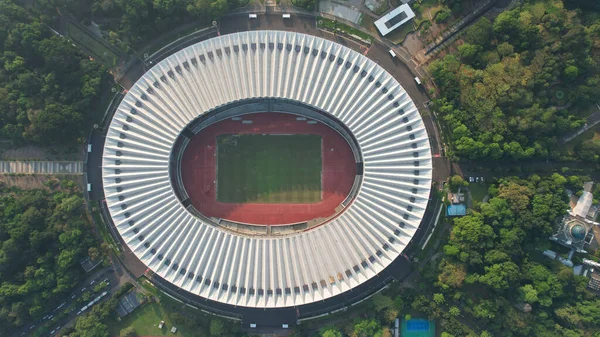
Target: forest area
[[44, 233], [518, 84], [128, 24], [47, 86]]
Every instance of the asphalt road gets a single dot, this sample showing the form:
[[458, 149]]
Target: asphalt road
[[72, 299]]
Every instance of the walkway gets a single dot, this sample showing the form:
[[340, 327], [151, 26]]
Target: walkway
[[590, 122], [41, 167]]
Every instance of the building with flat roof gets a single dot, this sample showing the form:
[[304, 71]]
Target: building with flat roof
[[577, 230], [394, 19]]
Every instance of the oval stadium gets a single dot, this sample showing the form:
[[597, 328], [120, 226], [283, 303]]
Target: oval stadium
[[266, 169]]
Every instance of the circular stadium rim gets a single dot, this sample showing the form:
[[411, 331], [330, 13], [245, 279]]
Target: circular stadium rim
[[268, 271]]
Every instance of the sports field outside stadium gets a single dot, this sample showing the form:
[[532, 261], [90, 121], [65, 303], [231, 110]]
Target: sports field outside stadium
[[261, 168]]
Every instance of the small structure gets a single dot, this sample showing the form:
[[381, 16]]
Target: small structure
[[394, 19], [161, 324], [594, 283], [456, 210], [173, 330], [127, 304], [577, 230], [87, 264], [456, 198]]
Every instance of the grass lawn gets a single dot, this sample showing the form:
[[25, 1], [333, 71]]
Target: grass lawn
[[399, 34], [590, 135], [333, 25], [145, 320], [107, 56], [269, 168], [369, 23], [478, 191]]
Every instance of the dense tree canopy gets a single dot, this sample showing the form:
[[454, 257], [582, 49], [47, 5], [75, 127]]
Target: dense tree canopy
[[47, 86], [493, 268], [130, 23], [43, 235], [517, 84]]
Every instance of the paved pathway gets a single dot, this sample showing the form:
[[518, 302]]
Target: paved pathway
[[41, 167], [591, 121]]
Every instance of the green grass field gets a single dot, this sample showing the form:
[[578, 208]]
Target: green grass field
[[105, 55], [145, 320], [269, 168]]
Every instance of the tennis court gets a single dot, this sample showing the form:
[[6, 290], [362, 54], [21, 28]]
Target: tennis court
[[418, 328]]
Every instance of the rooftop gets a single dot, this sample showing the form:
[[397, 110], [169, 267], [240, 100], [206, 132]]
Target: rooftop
[[394, 19]]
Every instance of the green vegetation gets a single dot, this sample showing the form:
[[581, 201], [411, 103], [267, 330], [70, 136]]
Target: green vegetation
[[306, 4], [491, 265], [107, 238], [43, 235], [132, 23], [269, 168], [337, 26], [98, 50], [496, 92], [144, 320], [46, 85], [478, 191]]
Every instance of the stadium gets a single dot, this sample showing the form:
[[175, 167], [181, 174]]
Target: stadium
[[266, 169]]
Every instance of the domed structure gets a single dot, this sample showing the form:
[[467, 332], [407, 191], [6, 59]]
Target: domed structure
[[578, 232]]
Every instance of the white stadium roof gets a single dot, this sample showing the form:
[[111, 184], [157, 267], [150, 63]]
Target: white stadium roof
[[268, 271]]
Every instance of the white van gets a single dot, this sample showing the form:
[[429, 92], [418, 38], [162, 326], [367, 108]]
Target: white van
[[418, 80], [252, 16], [392, 53], [89, 187], [286, 16], [89, 147]]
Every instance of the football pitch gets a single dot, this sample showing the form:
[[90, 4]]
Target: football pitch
[[269, 168]]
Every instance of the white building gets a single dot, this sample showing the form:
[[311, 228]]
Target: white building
[[394, 19]]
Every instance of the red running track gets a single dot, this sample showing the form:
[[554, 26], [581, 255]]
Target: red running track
[[198, 171]]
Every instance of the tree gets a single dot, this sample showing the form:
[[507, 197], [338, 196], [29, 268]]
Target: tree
[[528, 293], [500, 276], [217, 327], [479, 33], [468, 53], [443, 15], [128, 332], [571, 73], [439, 299], [366, 328], [457, 181], [219, 8], [331, 332], [454, 311], [57, 123], [89, 326]]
